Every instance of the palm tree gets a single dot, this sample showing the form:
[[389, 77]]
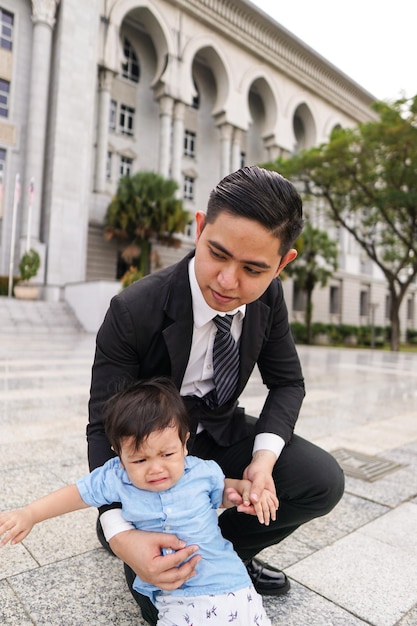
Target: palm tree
[[316, 263], [145, 206]]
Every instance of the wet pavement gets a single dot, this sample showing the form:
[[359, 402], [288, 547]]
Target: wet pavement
[[356, 566]]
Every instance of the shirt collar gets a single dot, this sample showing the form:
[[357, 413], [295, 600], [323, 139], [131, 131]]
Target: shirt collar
[[202, 312]]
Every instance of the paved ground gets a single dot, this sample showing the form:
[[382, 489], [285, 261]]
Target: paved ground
[[356, 566]]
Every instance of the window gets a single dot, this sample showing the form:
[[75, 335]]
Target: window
[[4, 98], [410, 309], [6, 32], [108, 165], [125, 166], [334, 300], [189, 143], [2, 162], [126, 118], [130, 69], [364, 303], [113, 115], [196, 99], [387, 307], [189, 229], [298, 299], [2, 168], [189, 184]]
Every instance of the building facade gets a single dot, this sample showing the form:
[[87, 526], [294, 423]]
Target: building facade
[[191, 89]]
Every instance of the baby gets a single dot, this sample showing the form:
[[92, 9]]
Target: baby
[[161, 489]]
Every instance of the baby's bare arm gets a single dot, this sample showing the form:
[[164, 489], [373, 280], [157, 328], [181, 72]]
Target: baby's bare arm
[[16, 525]]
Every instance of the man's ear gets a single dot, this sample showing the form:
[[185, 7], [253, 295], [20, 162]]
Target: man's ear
[[200, 220], [287, 258]]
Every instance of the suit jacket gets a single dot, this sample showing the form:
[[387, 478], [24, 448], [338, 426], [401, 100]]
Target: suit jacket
[[147, 332]]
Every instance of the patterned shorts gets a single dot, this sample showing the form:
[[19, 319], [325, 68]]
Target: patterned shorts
[[240, 608]]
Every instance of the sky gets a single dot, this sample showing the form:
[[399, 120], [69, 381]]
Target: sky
[[372, 41]]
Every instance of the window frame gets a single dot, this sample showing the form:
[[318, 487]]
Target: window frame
[[131, 68], [126, 120], [334, 300], [113, 115], [190, 143], [4, 106], [125, 167], [6, 37], [188, 187]]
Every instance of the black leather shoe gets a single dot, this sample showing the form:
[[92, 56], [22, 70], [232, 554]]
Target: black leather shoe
[[267, 580]]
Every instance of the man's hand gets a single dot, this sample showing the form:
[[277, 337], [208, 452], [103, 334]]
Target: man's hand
[[142, 551]]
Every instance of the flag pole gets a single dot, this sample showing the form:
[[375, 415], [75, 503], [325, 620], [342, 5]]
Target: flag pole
[[16, 200], [1, 193], [31, 194]]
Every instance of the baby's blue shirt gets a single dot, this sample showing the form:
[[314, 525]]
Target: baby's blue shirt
[[187, 510]]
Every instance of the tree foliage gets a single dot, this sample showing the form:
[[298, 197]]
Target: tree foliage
[[317, 261], [145, 206], [367, 177]]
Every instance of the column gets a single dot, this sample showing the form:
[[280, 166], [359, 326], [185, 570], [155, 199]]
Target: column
[[226, 131], [177, 141], [236, 149], [104, 97], [166, 105], [43, 17]]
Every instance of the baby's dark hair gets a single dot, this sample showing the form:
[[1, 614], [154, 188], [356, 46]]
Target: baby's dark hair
[[261, 195], [142, 408]]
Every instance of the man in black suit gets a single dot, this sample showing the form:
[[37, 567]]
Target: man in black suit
[[163, 325]]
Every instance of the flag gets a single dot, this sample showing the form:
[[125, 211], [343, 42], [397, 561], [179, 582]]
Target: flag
[[31, 191]]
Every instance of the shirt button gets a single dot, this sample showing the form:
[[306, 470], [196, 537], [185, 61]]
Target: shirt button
[[167, 527], [169, 510]]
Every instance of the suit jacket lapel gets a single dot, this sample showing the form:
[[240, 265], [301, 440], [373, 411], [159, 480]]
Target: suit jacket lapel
[[253, 334], [178, 308]]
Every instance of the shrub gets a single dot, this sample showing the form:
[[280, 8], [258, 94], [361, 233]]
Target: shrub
[[132, 275], [29, 264], [411, 336], [299, 332]]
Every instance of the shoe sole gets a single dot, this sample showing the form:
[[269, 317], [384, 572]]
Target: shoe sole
[[278, 591]]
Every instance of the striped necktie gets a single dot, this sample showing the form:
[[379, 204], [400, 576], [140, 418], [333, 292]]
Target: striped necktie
[[225, 363]]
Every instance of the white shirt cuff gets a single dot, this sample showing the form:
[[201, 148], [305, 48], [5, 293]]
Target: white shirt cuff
[[268, 441], [113, 523]]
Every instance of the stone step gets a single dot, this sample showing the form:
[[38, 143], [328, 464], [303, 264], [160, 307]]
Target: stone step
[[37, 316]]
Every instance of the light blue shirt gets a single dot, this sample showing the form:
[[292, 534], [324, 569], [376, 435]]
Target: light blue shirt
[[188, 510]]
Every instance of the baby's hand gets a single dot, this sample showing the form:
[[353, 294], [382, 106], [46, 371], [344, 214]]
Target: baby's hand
[[265, 508], [15, 526]]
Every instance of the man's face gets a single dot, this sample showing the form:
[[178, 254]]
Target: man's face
[[236, 260]]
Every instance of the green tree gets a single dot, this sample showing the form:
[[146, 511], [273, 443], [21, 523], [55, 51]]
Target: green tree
[[145, 206], [317, 261], [367, 177]]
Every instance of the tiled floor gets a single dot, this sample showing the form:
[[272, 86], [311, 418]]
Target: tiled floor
[[356, 566]]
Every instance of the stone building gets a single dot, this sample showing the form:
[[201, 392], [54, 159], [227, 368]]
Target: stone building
[[192, 89]]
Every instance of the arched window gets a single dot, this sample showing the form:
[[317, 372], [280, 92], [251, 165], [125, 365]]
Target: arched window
[[130, 69]]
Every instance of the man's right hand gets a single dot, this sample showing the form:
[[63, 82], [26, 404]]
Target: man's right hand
[[142, 551]]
